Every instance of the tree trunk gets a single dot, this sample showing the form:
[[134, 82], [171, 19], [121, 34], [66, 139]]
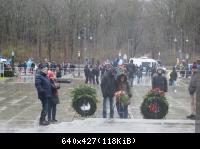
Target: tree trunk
[[49, 49]]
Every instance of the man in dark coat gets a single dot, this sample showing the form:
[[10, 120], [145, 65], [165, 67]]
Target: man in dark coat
[[160, 81], [43, 86], [87, 74], [131, 69], [173, 78], [108, 87], [96, 74]]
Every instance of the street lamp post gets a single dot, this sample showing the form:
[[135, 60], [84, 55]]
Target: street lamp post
[[130, 53], [187, 47], [91, 47], [13, 56], [187, 52], [79, 62], [175, 41], [159, 55]]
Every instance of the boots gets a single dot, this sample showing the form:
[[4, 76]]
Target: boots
[[43, 122]]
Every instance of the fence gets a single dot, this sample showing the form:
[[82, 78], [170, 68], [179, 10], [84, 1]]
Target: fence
[[184, 73], [20, 71]]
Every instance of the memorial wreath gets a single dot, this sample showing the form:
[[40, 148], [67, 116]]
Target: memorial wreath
[[154, 105], [84, 100]]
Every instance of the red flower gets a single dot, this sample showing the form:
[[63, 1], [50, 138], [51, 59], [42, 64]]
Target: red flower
[[153, 107]]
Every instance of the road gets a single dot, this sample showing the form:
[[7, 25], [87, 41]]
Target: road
[[20, 108]]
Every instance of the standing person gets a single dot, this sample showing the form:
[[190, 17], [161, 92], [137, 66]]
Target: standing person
[[91, 76], [25, 67], [139, 74], [43, 86], [131, 69], [194, 65], [160, 81], [96, 74], [173, 78], [20, 67], [87, 74], [102, 70], [55, 99], [58, 71], [153, 71], [123, 86], [108, 87], [194, 91], [46, 63], [32, 67]]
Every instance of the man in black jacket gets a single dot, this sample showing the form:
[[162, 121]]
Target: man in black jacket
[[87, 74], [43, 86], [173, 78], [108, 87], [131, 69]]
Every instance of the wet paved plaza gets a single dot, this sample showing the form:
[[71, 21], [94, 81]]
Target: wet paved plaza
[[20, 110]]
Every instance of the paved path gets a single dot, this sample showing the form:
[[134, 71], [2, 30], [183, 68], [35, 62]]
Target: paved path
[[20, 109]]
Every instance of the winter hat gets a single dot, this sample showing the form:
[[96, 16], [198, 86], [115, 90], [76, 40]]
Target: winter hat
[[43, 69], [159, 70], [50, 74]]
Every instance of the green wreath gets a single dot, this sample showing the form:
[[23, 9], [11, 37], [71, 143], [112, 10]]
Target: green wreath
[[84, 100], [155, 105]]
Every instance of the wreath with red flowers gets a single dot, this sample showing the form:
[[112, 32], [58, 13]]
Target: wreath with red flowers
[[154, 105]]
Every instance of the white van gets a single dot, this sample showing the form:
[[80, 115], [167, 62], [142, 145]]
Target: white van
[[3, 60], [144, 61]]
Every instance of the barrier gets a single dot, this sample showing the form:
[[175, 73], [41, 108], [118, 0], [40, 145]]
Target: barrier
[[20, 71], [184, 73]]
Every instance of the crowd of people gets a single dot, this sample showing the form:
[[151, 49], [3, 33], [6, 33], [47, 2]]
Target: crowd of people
[[119, 79], [112, 80]]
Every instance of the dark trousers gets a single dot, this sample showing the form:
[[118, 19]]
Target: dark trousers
[[92, 79], [86, 79], [51, 111], [122, 110], [45, 102], [97, 79]]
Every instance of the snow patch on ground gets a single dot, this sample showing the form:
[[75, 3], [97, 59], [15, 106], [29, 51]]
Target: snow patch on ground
[[99, 125]]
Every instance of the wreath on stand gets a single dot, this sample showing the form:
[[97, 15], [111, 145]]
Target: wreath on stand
[[84, 100], [155, 105]]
